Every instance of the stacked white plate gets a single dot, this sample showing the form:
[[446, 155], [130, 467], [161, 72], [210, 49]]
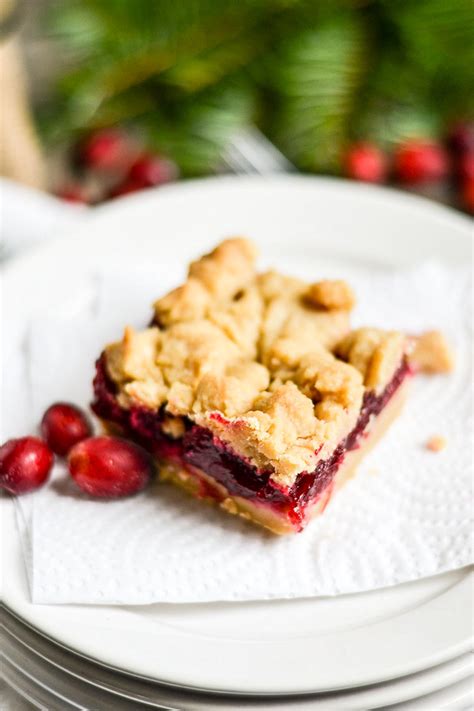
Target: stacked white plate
[[404, 647]]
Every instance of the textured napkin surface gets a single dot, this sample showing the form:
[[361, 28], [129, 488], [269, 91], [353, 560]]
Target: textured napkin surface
[[406, 515]]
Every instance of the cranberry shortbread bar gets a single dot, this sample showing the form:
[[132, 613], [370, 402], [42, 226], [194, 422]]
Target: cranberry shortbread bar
[[251, 390]]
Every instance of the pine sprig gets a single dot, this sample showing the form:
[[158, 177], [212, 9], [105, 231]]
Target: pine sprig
[[198, 133], [318, 74], [315, 75]]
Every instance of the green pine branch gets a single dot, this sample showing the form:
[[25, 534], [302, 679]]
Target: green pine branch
[[315, 75]]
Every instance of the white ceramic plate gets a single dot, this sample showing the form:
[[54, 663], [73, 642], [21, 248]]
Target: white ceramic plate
[[271, 647], [31, 660]]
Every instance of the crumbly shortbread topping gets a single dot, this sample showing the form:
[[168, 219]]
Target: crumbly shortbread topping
[[251, 357], [431, 353], [375, 353], [330, 295]]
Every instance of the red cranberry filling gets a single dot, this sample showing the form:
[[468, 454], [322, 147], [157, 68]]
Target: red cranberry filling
[[199, 448], [105, 403]]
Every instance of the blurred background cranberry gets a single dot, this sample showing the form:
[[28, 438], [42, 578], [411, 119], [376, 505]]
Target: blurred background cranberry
[[366, 162], [152, 170], [108, 150], [420, 162]]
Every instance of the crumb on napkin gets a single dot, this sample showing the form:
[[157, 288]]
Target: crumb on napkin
[[436, 443]]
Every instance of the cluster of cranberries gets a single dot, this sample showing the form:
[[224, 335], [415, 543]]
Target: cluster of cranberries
[[419, 162], [120, 164], [105, 467]]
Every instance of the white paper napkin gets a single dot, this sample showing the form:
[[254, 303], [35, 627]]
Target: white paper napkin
[[407, 515]]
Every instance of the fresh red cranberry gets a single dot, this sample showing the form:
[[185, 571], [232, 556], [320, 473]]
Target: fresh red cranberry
[[109, 467], [106, 150], [25, 464], [125, 188], [64, 425], [73, 193], [461, 138], [365, 161], [467, 194], [153, 170], [420, 162]]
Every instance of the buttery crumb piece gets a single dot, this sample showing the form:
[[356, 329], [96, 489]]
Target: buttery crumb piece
[[331, 295], [375, 353], [174, 427], [431, 353], [436, 443]]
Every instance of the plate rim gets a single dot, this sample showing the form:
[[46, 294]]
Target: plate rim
[[393, 196]]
